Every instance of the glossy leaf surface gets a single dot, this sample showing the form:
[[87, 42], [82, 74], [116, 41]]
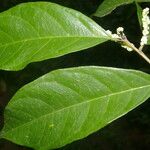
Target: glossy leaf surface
[[67, 105], [108, 6], [33, 32]]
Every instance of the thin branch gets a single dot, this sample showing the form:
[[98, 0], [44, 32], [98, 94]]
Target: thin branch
[[139, 51]]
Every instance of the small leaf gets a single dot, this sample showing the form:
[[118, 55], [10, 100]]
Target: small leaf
[[108, 6], [67, 105], [33, 32]]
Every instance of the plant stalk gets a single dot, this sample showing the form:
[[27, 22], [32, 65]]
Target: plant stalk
[[139, 51]]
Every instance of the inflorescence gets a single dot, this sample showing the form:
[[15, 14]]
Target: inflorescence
[[120, 36], [145, 23]]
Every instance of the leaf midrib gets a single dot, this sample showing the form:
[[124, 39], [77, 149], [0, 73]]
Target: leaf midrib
[[112, 94], [51, 37]]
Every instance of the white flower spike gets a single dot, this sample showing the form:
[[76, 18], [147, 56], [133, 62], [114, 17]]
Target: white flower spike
[[125, 43], [113, 36], [119, 36], [120, 30], [146, 23]]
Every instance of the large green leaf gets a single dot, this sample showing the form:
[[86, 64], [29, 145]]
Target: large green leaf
[[67, 105], [36, 31], [108, 6]]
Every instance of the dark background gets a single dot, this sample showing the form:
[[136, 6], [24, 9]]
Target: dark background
[[131, 132]]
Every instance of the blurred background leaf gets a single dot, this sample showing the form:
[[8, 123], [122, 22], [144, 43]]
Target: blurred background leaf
[[107, 6], [139, 14]]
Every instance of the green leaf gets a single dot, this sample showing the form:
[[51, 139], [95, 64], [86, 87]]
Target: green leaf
[[108, 6], [148, 43], [67, 105], [33, 32], [139, 14]]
